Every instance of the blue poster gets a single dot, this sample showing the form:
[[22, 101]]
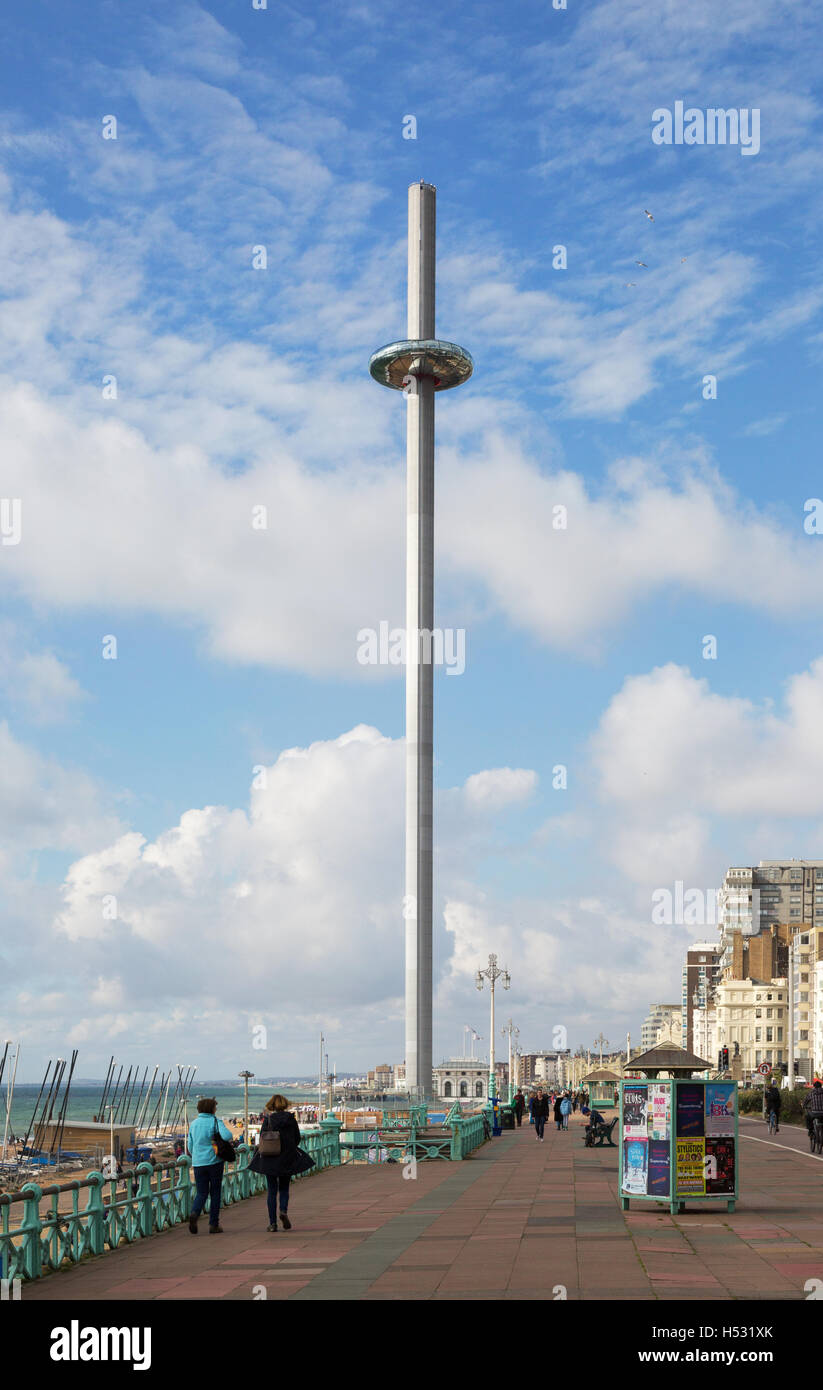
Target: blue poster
[[635, 1159], [690, 1112], [658, 1184]]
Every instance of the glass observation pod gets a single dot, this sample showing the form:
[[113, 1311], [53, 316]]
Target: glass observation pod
[[447, 363]]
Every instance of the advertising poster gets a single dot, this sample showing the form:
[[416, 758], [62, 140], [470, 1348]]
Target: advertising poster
[[635, 1165], [635, 1104], [659, 1111], [690, 1112], [720, 1108], [658, 1180], [719, 1164], [691, 1173]]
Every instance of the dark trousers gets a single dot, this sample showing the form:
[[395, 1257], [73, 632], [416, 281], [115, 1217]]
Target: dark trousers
[[539, 1122], [209, 1181], [275, 1185], [519, 1114]]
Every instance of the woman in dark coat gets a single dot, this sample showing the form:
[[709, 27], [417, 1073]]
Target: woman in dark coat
[[558, 1114], [278, 1168]]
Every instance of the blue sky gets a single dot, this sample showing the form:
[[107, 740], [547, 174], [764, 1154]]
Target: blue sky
[[238, 387]]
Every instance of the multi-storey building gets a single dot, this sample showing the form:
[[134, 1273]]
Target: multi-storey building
[[701, 972], [753, 1019], [818, 1018], [773, 891], [806, 953], [660, 1017], [554, 1068]]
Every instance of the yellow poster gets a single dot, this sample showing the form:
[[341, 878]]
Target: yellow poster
[[691, 1166]]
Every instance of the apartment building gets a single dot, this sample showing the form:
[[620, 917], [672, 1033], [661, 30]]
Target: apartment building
[[701, 972], [805, 956], [753, 1018], [773, 891], [660, 1017]]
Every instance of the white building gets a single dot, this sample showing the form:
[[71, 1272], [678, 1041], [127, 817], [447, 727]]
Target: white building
[[753, 1014], [465, 1078]]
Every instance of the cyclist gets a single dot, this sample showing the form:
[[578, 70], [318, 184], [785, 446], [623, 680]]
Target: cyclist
[[813, 1106], [771, 1100]]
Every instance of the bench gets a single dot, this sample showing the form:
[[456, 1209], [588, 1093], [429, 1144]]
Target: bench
[[600, 1134]]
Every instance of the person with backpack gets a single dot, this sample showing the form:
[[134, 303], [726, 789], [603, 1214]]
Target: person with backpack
[[279, 1158], [210, 1146], [519, 1106]]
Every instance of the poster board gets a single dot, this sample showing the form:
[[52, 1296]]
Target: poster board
[[678, 1141]]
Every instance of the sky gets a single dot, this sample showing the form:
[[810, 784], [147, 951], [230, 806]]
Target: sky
[[202, 492]]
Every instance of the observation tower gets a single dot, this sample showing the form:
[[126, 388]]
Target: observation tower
[[419, 366]]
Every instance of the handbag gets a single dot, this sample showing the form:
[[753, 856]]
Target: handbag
[[303, 1162], [269, 1144], [224, 1151]]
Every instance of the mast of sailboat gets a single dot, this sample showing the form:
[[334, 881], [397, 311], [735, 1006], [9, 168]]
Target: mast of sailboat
[[101, 1107], [39, 1132], [123, 1095], [139, 1121], [61, 1119], [151, 1127], [36, 1106], [56, 1096], [137, 1099], [9, 1100]]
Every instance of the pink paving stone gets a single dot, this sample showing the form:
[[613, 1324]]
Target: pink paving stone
[[146, 1285]]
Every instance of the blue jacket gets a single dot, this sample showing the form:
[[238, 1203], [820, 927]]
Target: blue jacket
[[200, 1137], [565, 1106]]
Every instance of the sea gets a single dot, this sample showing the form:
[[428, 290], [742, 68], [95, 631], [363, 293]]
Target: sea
[[84, 1101]]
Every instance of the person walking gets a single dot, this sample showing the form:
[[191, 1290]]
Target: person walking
[[208, 1168], [279, 1158], [558, 1114], [539, 1106], [565, 1108], [519, 1106]]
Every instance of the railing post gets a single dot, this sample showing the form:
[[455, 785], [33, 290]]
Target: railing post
[[330, 1131], [30, 1231], [94, 1214], [145, 1198]]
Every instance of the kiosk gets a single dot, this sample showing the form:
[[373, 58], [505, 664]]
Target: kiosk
[[678, 1133]]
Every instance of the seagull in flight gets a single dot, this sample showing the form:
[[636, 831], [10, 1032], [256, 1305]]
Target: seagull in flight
[[643, 263], [648, 214], [683, 258], [630, 285]]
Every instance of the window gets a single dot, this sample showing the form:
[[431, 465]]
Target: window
[[769, 1035], [478, 1088], [464, 1089], [758, 1034], [447, 1089]]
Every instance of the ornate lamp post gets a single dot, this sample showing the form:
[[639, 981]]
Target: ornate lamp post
[[513, 1033], [601, 1042], [246, 1075], [492, 973]]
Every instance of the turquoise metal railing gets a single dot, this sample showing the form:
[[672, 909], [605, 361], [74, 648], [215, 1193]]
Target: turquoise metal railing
[[48, 1238]]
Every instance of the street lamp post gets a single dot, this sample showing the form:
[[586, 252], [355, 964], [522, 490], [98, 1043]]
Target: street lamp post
[[512, 1032], [246, 1075], [601, 1042], [492, 973]]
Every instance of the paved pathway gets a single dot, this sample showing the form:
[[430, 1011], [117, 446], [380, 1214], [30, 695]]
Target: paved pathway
[[520, 1220]]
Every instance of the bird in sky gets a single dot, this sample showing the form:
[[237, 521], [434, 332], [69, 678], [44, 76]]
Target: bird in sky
[[683, 258], [648, 214], [643, 263], [630, 285]]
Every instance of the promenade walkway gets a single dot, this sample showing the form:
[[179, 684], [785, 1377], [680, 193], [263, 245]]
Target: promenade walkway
[[518, 1220]]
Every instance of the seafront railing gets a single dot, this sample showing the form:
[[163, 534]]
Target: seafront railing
[[48, 1237]]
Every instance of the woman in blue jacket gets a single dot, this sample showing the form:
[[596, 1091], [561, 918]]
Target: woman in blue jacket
[[565, 1108], [208, 1168]]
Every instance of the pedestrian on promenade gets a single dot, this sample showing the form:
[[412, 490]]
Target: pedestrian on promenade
[[565, 1108], [539, 1106], [208, 1168], [278, 1158], [558, 1114], [519, 1106]]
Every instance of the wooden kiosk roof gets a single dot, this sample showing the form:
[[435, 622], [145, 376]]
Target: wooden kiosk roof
[[603, 1074], [668, 1057]]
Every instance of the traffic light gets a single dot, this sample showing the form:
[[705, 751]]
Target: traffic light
[[725, 1057]]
